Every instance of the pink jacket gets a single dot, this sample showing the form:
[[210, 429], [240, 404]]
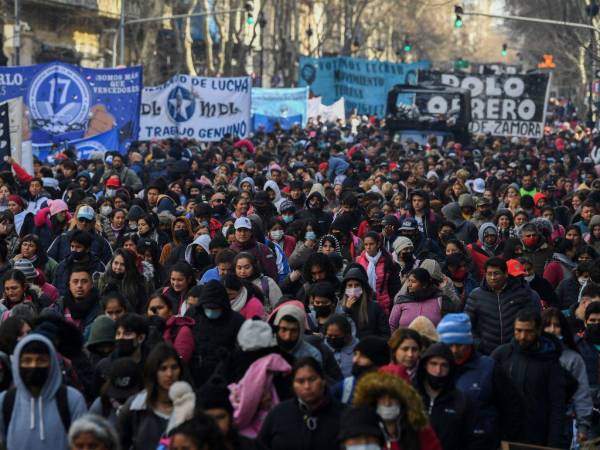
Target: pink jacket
[[382, 294], [179, 333], [252, 308], [247, 394], [404, 313]]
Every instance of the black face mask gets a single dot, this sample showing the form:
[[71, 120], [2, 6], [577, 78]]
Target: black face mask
[[220, 209], [359, 371], [181, 235], [125, 347], [34, 377], [437, 382], [78, 256], [288, 346], [202, 259], [323, 311], [336, 343], [592, 333]]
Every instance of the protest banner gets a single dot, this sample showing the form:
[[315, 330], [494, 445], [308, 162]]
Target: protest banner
[[84, 147], [502, 105], [285, 106], [64, 103], [200, 108], [363, 83], [326, 112]]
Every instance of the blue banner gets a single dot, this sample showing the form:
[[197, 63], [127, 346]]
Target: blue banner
[[67, 103], [103, 142], [286, 106], [363, 83]]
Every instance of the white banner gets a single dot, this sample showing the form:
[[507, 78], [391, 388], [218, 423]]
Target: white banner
[[20, 134], [329, 113], [202, 108]]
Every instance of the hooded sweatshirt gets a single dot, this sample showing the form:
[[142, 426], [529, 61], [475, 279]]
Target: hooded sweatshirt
[[302, 348], [278, 200], [35, 423]]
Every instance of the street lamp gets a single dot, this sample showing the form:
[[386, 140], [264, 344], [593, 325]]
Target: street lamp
[[309, 33], [262, 23]]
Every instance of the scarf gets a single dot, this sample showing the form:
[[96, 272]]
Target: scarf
[[371, 272], [240, 301], [81, 308]]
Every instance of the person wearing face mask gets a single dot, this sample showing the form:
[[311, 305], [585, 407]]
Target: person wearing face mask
[[174, 251], [215, 330], [340, 340], [487, 245], [466, 230], [118, 168], [568, 290], [39, 403], [589, 348], [101, 341], [531, 360], [404, 254], [390, 405], [322, 304], [457, 270], [51, 221], [197, 255], [541, 287], [112, 184], [314, 209], [277, 235], [452, 414], [536, 248], [368, 356]]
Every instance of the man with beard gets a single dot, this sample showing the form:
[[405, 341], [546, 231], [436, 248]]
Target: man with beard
[[532, 363], [219, 207], [483, 213]]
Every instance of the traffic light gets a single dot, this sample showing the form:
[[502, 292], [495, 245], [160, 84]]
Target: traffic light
[[458, 23], [249, 7], [407, 45], [504, 51], [460, 64]]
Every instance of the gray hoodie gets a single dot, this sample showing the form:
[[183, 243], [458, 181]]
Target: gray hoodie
[[35, 423]]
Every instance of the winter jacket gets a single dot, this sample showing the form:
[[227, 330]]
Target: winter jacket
[[377, 321], [178, 333], [247, 394], [466, 231], [581, 403], [127, 176], [278, 200], [262, 253], [344, 356], [539, 256], [480, 253], [45, 229], [540, 380], [139, 425], [35, 423], [61, 247], [84, 322], [428, 302], [544, 290], [270, 289], [289, 426], [591, 358], [63, 270], [388, 280], [136, 294], [493, 314], [558, 268], [248, 307]]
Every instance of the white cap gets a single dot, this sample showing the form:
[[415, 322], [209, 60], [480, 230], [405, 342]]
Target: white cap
[[479, 185], [242, 222]]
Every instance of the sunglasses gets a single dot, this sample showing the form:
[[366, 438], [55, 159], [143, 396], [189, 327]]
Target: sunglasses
[[83, 220]]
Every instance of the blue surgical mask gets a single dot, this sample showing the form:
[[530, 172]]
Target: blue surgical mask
[[310, 236], [288, 219], [213, 314]]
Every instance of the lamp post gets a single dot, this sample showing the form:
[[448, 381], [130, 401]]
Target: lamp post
[[262, 23], [309, 33]]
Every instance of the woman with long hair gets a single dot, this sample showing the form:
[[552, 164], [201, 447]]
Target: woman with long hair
[[245, 298], [406, 346], [181, 280], [31, 248], [247, 269], [16, 290], [122, 275], [382, 271], [144, 418]]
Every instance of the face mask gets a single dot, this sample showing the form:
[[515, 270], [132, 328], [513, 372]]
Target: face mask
[[310, 236], [359, 371], [212, 314], [224, 231], [592, 333], [220, 209], [181, 235], [530, 241], [388, 412], [322, 311], [288, 219], [276, 235], [372, 446], [111, 193], [406, 256], [437, 382], [353, 292], [529, 278], [133, 227], [459, 274], [286, 345], [77, 255], [203, 224], [34, 376], [582, 280], [336, 343], [106, 210], [125, 347]]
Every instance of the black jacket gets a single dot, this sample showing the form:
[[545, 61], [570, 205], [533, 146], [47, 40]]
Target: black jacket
[[288, 427], [567, 292], [377, 324], [493, 315], [540, 380]]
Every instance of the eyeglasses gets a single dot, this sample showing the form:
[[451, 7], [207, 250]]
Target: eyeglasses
[[219, 200], [83, 220]]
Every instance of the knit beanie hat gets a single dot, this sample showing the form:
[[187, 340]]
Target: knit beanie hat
[[425, 327], [26, 267], [102, 331], [18, 200], [213, 294], [434, 269], [184, 402], [57, 206], [374, 348], [212, 396], [455, 329], [255, 335], [402, 243]]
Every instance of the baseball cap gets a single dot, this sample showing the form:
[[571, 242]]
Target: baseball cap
[[242, 222], [409, 224], [113, 181], [515, 268], [86, 212]]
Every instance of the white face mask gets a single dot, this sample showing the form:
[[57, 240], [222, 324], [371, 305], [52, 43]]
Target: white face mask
[[388, 412], [224, 231], [111, 192], [353, 292], [529, 278], [106, 210], [372, 446], [582, 280], [276, 235]]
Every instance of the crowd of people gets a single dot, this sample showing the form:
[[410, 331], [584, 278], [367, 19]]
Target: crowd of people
[[313, 288]]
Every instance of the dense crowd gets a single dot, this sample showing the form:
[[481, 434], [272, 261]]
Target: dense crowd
[[316, 288]]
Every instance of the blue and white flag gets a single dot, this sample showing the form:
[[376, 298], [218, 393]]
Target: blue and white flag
[[103, 142], [67, 103], [286, 106]]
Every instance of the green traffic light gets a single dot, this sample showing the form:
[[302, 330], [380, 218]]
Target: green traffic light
[[504, 52], [407, 48], [458, 23], [250, 20]]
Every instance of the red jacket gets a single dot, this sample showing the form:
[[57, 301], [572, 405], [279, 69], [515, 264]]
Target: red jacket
[[382, 293], [178, 333], [478, 256]]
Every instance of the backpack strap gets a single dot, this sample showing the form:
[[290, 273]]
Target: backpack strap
[[347, 385], [62, 403], [7, 407]]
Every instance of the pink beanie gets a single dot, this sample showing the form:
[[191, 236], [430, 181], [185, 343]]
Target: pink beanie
[[57, 206]]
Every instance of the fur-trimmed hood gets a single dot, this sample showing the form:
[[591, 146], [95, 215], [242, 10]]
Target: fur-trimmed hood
[[373, 385]]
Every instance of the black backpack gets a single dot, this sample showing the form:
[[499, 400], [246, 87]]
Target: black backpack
[[62, 404]]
